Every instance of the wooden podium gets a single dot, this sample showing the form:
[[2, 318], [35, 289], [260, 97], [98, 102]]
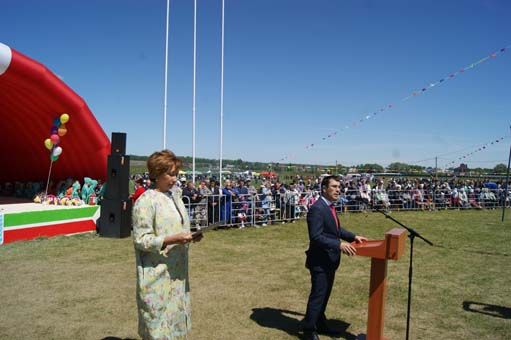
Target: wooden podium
[[391, 248]]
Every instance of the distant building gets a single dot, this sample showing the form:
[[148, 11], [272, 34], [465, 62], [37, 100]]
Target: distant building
[[461, 170]]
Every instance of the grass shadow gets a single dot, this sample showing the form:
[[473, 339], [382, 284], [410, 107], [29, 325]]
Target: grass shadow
[[484, 308], [287, 321], [116, 338]]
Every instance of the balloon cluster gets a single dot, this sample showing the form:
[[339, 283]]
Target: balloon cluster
[[57, 130]]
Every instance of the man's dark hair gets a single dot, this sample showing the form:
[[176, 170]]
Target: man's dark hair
[[326, 181]]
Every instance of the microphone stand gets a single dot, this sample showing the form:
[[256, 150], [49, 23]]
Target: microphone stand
[[412, 233]]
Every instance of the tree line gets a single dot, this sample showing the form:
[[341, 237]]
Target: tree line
[[204, 164]]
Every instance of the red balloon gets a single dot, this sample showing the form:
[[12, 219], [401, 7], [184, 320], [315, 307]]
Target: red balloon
[[55, 139]]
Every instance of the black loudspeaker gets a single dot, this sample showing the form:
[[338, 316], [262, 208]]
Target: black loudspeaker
[[118, 172], [115, 218], [118, 143]]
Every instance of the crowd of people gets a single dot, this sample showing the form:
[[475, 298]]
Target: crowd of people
[[237, 202], [246, 201], [243, 202], [438, 194]]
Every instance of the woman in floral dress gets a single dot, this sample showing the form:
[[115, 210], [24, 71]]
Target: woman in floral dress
[[161, 233]]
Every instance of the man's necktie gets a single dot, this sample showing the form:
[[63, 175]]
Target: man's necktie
[[334, 214]]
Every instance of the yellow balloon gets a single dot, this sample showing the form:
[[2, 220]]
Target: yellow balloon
[[62, 130], [64, 118], [48, 144]]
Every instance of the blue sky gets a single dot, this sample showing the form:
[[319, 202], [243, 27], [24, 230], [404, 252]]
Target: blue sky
[[295, 71]]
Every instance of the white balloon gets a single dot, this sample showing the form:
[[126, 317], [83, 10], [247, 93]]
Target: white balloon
[[57, 151]]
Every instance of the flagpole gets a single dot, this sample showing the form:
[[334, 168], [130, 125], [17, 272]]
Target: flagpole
[[507, 183], [222, 99], [194, 84], [166, 76]]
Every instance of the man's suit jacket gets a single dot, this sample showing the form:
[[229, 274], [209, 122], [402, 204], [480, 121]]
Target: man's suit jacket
[[324, 253], [215, 192]]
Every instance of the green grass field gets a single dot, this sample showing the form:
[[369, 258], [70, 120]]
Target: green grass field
[[252, 284]]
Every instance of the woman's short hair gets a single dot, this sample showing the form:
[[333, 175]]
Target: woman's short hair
[[161, 162]]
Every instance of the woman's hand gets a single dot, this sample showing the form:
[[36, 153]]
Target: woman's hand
[[184, 237], [181, 238]]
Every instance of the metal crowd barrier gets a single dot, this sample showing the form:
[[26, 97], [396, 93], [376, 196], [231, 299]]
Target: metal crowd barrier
[[419, 199], [260, 209], [246, 210]]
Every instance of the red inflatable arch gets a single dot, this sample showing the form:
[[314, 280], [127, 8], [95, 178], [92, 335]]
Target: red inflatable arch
[[31, 96]]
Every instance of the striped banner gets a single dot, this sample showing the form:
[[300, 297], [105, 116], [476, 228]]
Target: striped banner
[[1, 229], [32, 224], [476, 150], [414, 93]]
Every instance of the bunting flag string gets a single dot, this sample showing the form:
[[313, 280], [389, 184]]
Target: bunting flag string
[[482, 147], [412, 94]]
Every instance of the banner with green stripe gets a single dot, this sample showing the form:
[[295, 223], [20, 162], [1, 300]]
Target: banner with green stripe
[[46, 216]]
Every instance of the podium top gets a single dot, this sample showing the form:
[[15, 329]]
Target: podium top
[[391, 248]]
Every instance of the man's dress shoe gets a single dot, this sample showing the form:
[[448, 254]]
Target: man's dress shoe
[[324, 329], [310, 335]]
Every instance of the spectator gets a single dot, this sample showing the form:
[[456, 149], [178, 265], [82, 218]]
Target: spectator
[[472, 199], [291, 197], [213, 203], [226, 203], [139, 189], [364, 190], [147, 183], [380, 196], [462, 194], [242, 214], [266, 196], [279, 192], [190, 198], [202, 208]]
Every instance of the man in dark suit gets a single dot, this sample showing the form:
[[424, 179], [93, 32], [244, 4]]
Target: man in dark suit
[[324, 255], [213, 203]]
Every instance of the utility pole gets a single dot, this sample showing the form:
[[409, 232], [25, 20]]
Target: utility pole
[[506, 187], [436, 167]]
